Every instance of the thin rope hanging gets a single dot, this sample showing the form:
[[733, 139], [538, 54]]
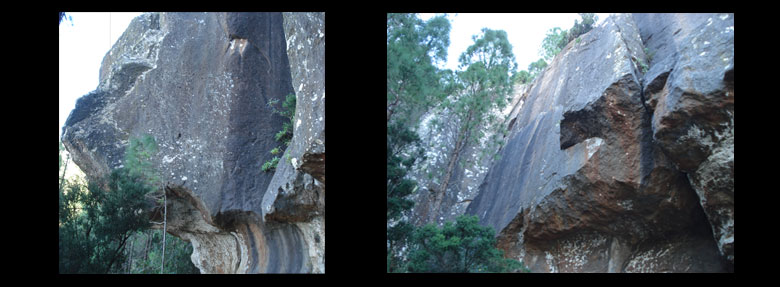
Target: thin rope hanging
[[109, 31]]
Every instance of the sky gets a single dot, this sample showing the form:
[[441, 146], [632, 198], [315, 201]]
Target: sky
[[525, 32], [83, 43]]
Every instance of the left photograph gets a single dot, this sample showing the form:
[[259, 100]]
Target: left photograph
[[191, 143]]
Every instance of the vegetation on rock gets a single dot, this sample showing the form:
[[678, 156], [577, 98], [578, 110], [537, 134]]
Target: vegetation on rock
[[285, 135]]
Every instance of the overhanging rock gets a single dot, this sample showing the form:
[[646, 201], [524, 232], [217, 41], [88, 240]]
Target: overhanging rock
[[200, 83], [585, 182]]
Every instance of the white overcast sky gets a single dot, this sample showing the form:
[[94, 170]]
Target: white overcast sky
[[83, 43], [525, 32]]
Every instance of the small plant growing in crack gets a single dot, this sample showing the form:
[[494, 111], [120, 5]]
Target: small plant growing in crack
[[285, 135]]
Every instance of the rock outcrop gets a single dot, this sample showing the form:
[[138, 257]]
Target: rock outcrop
[[200, 83], [621, 159]]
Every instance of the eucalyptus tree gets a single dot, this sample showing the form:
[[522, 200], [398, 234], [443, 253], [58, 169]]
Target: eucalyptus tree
[[414, 47], [484, 85]]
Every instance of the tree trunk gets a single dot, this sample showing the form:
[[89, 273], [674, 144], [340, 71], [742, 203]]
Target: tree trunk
[[129, 261], [439, 195], [64, 168], [148, 244], [165, 229], [116, 253]]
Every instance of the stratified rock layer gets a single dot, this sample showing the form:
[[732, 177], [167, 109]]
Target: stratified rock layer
[[200, 83], [598, 175]]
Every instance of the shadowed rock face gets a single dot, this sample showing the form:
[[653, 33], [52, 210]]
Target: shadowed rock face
[[200, 83], [591, 178]]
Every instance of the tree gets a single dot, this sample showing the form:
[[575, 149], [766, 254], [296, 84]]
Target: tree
[[462, 247], [148, 260], [413, 48], [579, 28], [484, 86], [414, 84], [95, 223], [65, 168], [536, 68], [97, 218], [400, 138], [555, 40], [138, 159], [521, 77]]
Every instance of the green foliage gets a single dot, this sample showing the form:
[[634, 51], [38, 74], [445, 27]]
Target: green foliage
[[284, 135], [414, 47], [643, 66], [60, 154], [96, 219], [96, 222], [463, 247], [403, 151], [649, 54], [555, 40], [269, 165], [141, 259], [579, 28], [522, 77], [399, 139], [99, 221], [536, 68], [138, 157], [485, 86]]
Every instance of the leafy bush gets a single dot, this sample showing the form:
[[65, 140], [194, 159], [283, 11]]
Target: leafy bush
[[557, 39], [269, 165], [463, 247]]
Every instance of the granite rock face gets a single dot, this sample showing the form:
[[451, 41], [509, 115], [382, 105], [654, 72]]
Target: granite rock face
[[200, 83], [614, 165]]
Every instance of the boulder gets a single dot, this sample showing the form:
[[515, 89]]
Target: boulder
[[582, 184], [200, 84]]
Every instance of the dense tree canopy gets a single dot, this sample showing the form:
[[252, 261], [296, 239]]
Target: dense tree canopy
[[414, 47]]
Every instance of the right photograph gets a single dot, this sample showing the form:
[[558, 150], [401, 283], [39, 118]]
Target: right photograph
[[560, 143]]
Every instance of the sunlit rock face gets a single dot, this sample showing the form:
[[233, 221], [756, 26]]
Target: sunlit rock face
[[200, 83], [617, 163]]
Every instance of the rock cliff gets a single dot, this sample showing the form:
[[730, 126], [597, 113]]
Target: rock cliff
[[620, 155], [200, 83]]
